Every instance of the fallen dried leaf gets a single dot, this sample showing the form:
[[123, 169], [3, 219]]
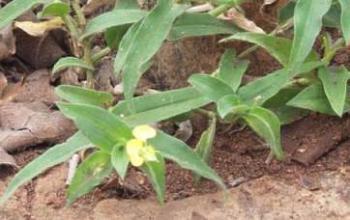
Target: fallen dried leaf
[[241, 21], [39, 28]]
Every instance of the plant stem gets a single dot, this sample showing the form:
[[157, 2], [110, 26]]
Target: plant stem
[[72, 28], [80, 15], [100, 54], [221, 9], [88, 59]]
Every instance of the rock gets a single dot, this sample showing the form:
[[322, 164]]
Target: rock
[[30, 124]]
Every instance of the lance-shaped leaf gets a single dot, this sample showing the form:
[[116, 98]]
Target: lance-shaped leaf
[[307, 25], [114, 35], [334, 81], [16, 8], [177, 151], [160, 106], [267, 125], [90, 173], [111, 19], [156, 174], [56, 8], [345, 17], [205, 143], [50, 158], [278, 47], [120, 160], [102, 127], [66, 62], [231, 69], [230, 104], [142, 41], [263, 89], [314, 98], [199, 24], [209, 86], [278, 104], [78, 95]]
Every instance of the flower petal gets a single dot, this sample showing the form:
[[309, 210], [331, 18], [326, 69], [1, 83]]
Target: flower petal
[[149, 154], [144, 132], [134, 149], [136, 160]]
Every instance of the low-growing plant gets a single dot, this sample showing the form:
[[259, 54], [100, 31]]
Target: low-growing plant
[[120, 134]]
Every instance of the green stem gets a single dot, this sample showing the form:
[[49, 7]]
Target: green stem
[[88, 59], [72, 28], [80, 15], [100, 54], [221, 9]]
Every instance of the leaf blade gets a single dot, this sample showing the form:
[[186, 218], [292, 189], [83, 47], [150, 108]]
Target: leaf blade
[[89, 174], [307, 25], [78, 95], [344, 19], [267, 125], [66, 62], [334, 83]]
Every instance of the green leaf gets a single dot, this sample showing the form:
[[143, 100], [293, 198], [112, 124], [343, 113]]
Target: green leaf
[[56, 8], [66, 62], [114, 35], [155, 172], [50, 158], [230, 104], [264, 88], [16, 8], [278, 47], [345, 18], [331, 19], [205, 144], [231, 69], [90, 173], [286, 12], [334, 81], [307, 25], [209, 86], [177, 151], [160, 106], [142, 41], [80, 95], [120, 160], [199, 24], [126, 4], [111, 19], [312, 98], [278, 104], [267, 125], [102, 127]]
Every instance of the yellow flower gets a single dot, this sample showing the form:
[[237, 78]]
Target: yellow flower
[[137, 149], [144, 132], [134, 149]]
